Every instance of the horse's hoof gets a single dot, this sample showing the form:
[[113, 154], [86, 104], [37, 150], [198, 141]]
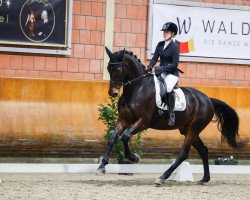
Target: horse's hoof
[[200, 183], [159, 182], [100, 172], [136, 158], [203, 181]]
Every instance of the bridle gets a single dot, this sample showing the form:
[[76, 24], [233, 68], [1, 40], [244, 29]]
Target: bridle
[[118, 84], [115, 65]]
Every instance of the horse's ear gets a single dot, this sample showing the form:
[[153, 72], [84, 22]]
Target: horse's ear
[[108, 51]]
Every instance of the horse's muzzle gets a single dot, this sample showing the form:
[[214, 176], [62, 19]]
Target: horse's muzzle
[[114, 91]]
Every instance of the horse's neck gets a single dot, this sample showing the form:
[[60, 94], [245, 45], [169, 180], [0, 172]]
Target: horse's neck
[[135, 72], [138, 82], [138, 89]]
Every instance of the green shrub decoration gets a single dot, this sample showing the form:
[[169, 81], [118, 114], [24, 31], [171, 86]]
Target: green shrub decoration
[[108, 114]]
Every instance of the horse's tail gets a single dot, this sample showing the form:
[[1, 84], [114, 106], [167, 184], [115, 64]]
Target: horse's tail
[[228, 122]]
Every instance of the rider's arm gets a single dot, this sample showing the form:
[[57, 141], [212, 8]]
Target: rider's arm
[[155, 57]]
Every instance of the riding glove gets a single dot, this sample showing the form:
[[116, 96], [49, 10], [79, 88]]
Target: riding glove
[[158, 70], [149, 68]]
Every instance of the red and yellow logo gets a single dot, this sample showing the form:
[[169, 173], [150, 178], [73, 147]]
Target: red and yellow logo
[[186, 47]]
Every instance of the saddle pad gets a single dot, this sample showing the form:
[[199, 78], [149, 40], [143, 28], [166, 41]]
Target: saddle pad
[[180, 100]]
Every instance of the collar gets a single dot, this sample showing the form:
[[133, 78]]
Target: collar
[[167, 43]]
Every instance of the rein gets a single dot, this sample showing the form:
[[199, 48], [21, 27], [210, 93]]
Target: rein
[[129, 82], [136, 79]]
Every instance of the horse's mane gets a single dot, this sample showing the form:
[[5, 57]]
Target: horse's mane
[[133, 56], [119, 55]]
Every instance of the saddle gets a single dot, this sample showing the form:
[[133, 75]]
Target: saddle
[[163, 90], [161, 98]]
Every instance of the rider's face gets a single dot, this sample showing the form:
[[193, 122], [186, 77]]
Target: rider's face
[[167, 35]]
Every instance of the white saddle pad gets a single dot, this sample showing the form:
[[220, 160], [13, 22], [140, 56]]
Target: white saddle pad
[[180, 99]]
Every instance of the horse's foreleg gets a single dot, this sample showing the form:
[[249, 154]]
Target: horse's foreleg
[[135, 128], [203, 152], [180, 158], [118, 130]]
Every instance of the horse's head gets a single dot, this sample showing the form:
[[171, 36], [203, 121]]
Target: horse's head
[[116, 71], [123, 67]]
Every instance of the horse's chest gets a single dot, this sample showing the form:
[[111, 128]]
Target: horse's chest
[[128, 111]]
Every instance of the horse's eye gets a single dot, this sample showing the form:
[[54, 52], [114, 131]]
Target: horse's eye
[[118, 69]]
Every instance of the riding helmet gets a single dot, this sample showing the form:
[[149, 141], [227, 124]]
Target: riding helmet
[[170, 26]]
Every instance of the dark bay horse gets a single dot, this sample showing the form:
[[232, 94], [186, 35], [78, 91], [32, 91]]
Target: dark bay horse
[[138, 111]]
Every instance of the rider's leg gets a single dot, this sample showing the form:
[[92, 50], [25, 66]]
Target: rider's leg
[[171, 104], [170, 82]]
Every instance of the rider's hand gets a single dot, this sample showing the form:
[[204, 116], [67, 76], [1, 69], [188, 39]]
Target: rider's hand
[[158, 70], [149, 68]]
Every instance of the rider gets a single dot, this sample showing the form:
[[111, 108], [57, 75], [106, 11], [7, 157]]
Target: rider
[[168, 51]]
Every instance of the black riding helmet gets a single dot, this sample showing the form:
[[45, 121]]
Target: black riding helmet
[[170, 26]]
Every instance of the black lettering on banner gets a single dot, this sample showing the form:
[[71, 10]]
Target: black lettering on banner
[[245, 28], [211, 27], [232, 29], [222, 28], [184, 26]]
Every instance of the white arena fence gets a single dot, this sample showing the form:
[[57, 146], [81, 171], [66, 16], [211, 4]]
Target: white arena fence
[[115, 168]]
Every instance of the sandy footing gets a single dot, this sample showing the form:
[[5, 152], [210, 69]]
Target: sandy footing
[[113, 186]]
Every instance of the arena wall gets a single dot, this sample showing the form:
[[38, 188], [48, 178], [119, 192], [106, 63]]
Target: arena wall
[[60, 118], [49, 103]]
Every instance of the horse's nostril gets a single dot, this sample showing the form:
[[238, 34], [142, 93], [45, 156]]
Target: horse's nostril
[[114, 94]]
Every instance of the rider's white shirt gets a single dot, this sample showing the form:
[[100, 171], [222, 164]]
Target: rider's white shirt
[[166, 44]]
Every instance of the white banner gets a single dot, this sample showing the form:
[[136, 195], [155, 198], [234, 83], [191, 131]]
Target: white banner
[[204, 31]]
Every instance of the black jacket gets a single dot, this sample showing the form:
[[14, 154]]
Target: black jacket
[[169, 57]]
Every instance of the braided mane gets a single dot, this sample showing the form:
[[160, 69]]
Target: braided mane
[[119, 55], [132, 54]]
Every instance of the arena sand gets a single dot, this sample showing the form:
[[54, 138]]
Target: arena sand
[[116, 187]]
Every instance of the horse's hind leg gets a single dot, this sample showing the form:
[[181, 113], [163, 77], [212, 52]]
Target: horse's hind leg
[[180, 158], [203, 152], [135, 128], [118, 130]]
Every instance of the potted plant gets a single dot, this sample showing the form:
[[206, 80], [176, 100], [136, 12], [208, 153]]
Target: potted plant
[[108, 114], [226, 161]]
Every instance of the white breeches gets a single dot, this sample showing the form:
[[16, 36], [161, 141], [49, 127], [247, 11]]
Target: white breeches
[[170, 81]]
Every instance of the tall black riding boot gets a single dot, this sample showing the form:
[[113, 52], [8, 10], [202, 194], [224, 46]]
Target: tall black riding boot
[[171, 104]]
